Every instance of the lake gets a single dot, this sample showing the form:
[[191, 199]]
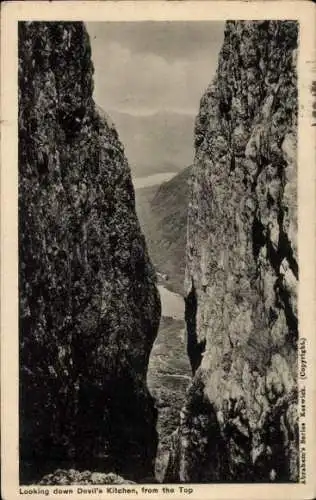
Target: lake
[[152, 180]]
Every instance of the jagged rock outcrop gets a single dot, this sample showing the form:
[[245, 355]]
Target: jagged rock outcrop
[[89, 308], [240, 419], [62, 477]]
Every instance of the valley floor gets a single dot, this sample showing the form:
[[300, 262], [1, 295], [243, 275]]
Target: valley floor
[[168, 376]]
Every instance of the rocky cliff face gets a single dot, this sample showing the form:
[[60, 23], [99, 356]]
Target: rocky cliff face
[[89, 308], [240, 419]]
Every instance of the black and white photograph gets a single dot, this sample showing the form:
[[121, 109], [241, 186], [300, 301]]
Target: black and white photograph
[[159, 267]]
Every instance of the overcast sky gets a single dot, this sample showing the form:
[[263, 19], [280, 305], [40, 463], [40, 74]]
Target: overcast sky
[[142, 68]]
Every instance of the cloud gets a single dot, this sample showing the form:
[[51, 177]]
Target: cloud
[[170, 39], [149, 77], [132, 74]]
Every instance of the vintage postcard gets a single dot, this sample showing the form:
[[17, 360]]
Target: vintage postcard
[[158, 250]]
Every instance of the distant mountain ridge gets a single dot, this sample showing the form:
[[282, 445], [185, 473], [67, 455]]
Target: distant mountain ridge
[[161, 142]]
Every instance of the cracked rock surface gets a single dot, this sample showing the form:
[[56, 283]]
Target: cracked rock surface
[[239, 422], [89, 307]]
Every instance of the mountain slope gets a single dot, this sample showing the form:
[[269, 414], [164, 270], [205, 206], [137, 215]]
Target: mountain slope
[[162, 212], [89, 307]]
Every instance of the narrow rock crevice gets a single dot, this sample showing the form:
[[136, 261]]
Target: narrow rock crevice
[[195, 348], [258, 236]]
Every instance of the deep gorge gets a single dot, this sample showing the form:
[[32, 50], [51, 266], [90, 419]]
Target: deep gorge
[[88, 295]]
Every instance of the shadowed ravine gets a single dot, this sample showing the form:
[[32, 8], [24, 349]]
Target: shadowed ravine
[[101, 388], [169, 372]]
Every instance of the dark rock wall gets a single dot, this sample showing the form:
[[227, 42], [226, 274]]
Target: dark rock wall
[[240, 419], [89, 308]]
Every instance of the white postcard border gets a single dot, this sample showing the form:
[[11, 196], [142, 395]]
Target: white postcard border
[[12, 12]]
